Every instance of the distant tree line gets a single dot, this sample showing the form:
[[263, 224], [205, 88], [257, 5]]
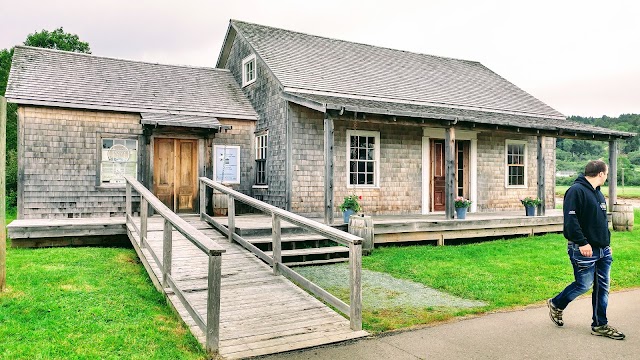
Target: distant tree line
[[574, 154]]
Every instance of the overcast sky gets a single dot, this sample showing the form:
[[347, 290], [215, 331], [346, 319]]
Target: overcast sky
[[580, 57]]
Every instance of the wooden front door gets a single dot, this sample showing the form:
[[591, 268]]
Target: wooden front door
[[175, 173], [437, 171]]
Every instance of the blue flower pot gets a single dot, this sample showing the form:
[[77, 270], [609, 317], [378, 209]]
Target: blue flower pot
[[530, 210], [347, 214], [461, 213]]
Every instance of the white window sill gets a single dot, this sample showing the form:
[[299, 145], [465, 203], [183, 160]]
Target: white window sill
[[260, 186], [516, 187]]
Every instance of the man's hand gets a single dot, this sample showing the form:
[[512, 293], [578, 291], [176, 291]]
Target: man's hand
[[586, 250]]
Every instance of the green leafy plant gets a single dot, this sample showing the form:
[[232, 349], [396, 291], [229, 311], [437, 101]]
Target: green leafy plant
[[528, 201], [461, 202], [351, 202]]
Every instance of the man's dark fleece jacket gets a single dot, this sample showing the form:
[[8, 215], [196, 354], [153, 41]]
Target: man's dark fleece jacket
[[585, 215]]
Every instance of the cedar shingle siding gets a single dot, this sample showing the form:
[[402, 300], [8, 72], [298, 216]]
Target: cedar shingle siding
[[59, 162], [264, 95]]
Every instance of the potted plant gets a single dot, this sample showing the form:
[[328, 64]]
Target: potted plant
[[530, 205], [350, 206], [462, 205]]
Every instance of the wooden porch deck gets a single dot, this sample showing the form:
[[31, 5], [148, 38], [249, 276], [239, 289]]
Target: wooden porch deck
[[259, 313], [432, 227]]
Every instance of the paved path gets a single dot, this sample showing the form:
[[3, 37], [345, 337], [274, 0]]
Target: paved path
[[522, 334]]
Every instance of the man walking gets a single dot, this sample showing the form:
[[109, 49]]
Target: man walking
[[587, 232]]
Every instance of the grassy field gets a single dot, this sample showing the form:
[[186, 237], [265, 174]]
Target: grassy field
[[71, 303], [87, 303], [628, 192], [504, 274]]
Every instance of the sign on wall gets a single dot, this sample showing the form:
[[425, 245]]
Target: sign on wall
[[119, 158], [226, 164]]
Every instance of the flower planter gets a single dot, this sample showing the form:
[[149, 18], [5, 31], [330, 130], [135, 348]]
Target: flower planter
[[347, 214], [461, 213], [530, 210]]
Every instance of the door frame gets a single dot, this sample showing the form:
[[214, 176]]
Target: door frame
[[200, 164], [427, 187]]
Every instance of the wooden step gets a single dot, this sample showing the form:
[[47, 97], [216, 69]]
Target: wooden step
[[313, 251], [318, 262], [285, 238]]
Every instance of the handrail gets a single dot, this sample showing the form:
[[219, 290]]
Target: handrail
[[325, 230], [212, 249], [200, 240], [354, 310]]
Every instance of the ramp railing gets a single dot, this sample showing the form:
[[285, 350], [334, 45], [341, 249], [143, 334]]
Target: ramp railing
[[210, 326], [354, 309]]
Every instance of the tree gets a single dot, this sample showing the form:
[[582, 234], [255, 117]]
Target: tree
[[56, 39], [59, 40]]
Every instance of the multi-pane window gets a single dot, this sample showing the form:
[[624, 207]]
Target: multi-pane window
[[516, 163], [249, 70], [119, 157], [363, 149], [261, 159]]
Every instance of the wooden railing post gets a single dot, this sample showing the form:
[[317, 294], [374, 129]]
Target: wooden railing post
[[167, 240], [276, 243], [231, 213], [128, 200], [355, 281], [213, 303], [203, 198], [144, 209]]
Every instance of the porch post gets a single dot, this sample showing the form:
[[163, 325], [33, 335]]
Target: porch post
[[613, 173], [328, 169], [3, 228], [449, 172], [541, 175]]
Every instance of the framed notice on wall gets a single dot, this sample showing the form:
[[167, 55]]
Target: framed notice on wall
[[226, 164]]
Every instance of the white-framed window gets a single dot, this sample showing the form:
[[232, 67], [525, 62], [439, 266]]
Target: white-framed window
[[363, 158], [118, 157], [249, 70], [261, 159], [515, 164]]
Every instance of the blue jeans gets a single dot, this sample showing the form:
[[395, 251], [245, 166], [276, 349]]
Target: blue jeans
[[589, 271]]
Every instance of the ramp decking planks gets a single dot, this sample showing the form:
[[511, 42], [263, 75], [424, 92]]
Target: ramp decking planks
[[259, 313]]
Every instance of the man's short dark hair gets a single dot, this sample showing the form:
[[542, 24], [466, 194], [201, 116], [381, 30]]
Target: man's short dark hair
[[595, 167]]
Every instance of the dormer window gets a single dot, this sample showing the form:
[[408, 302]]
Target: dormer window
[[249, 70]]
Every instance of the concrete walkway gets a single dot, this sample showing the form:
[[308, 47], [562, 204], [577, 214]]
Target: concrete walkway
[[522, 334]]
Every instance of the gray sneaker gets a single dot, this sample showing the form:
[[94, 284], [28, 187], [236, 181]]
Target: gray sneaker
[[607, 331], [555, 314]]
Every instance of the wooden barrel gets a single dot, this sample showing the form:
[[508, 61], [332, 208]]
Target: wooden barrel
[[363, 226], [220, 203], [622, 217]]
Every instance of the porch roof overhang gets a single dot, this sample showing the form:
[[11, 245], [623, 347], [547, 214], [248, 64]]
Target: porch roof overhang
[[490, 119], [182, 120]]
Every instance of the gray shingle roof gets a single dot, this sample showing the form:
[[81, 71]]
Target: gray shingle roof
[[193, 121], [463, 115], [58, 78], [329, 66]]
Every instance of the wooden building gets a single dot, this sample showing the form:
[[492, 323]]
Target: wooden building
[[84, 121], [296, 120], [408, 132]]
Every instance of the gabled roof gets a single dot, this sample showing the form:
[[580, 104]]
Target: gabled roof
[[67, 79], [312, 63], [334, 73]]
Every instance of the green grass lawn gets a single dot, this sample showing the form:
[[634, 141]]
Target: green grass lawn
[[70, 303], [504, 274], [628, 192], [87, 303]]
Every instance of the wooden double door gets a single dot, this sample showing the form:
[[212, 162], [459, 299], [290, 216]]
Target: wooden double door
[[175, 173], [438, 195]]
